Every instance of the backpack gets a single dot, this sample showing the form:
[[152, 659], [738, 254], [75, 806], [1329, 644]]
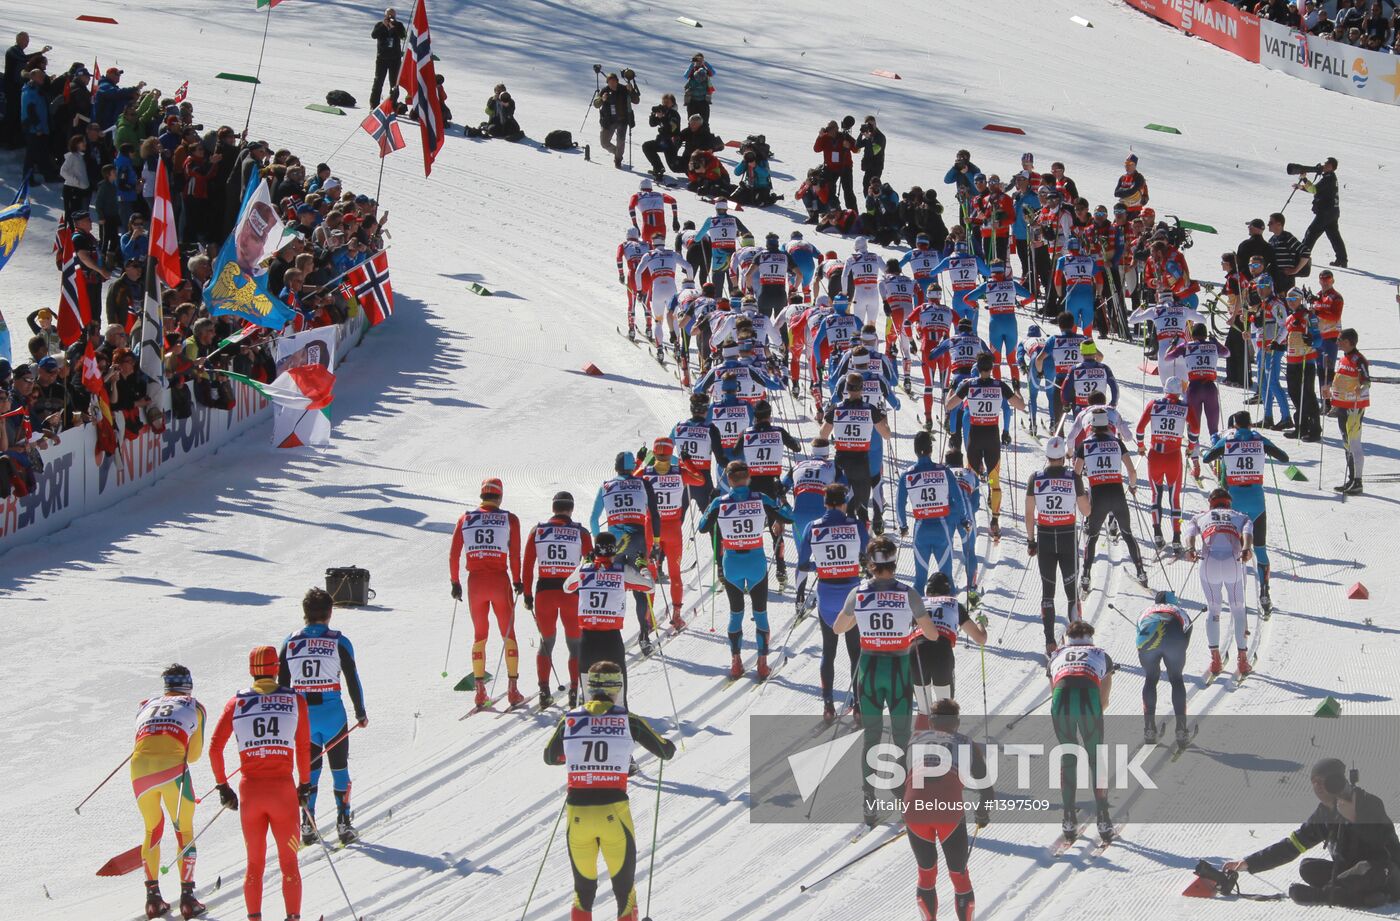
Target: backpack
[[340, 98], [559, 140]]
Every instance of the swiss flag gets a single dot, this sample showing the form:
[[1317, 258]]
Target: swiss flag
[[165, 244]]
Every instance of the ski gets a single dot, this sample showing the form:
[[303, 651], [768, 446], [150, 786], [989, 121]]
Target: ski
[[491, 703], [1101, 845], [523, 705], [1061, 845], [1179, 748], [632, 339]]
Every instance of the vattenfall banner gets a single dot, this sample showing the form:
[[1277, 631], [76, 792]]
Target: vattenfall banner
[[1331, 65]]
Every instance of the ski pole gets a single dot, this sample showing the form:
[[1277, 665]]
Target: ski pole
[[184, 850], [665, 669], [1037, 706], [552, 833], [452, 628], [854, 860], [1114, 608], [655, 824], [1293, 559], [79, 808], [331, 863]]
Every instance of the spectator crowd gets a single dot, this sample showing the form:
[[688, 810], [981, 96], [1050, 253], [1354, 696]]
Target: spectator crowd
[[1362, 23]]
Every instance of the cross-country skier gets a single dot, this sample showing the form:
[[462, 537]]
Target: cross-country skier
[[169, 738], [1243, 454], [1172, 319], [1225, 549], [628, 505], [596, 742], [1003, 295], [650, 205], [1028, 354], [601, 581], [630, 252], [1102, 459], [898, 293], [698, 441], [933, 661], [1081, 677], [853, 425], [761, 446], [1166, 416], [1163, 632], [490, 536], [314, 662], [559, 545], [963, 269], [934, 323], [931, 492], [806, 260], [1079, 283], [668, 486], [1055, 502], [832, 548], [860, 281], [986, 400], [1090, 375], [1057, 360], [658, 276], [962, 350], [770, 275], [720, 235], [1350, 394], [268, 723]]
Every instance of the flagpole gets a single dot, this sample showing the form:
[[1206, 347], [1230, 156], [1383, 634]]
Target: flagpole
[[257, 75], [380, 184]]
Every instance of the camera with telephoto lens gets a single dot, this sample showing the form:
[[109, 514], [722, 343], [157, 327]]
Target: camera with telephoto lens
[[756, 145], [597, 68], [1302, 169], [629, 74]]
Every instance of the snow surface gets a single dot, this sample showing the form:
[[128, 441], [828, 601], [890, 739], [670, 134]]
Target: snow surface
[[455, 815]]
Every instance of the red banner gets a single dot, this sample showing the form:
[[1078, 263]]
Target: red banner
[[1222, 24]]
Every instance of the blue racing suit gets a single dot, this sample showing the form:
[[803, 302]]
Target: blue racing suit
[[940, 511], [315, 662]]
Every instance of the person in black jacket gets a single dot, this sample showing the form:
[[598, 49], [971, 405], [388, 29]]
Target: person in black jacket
[[871, 143], [1362, 871], [389, 36], [666, 119], [1291, 261], [1256, 245], [695, 137], [1327, 210], [18, 60], [614, 103]]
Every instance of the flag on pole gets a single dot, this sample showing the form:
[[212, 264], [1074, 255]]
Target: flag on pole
[[370, 282], [418, 80], [14, 220], [306, 393], [239, 283], [74, 308], [182, 92], [267, 4], [165, 243], [93, 383], [384, 128]]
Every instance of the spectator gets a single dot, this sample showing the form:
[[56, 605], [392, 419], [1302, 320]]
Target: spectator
[[697, 137], [1374, 25], [124, 296], [85, 249], [1256, 245], [699, 88], [500, 115], [1290, 261], [614, 103], [128, 182], [249, 161], [18, 61], [921, 213], [1327, 211], [135, 243], [707, 175], [127, 389], [1322, 23], [74, 172], [755, 180], [389, 36], [112, 98], [960, 175], [442, 98], [1024, 200], [816, 193], [98, 152], [134, 117], [34, 115], [871, 142], [70, 106], [150, 159], [49, 397], [835, 146], [666, 119], [196, 217], [1308, 19], [108, 206], [41, 323]]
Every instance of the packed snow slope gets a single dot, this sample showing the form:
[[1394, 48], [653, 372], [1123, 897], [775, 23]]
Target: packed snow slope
[[456, 815]]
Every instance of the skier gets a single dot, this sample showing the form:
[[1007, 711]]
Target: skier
[[1301, 338], [986, 400], [1167, 417], [1243, 453], [898, 293], [1166, 272], [730, 415], [793, 320], [270, 727], [490, 536], [1083, 421], [1055, 501], [1163, 632], [1028, 358], [719, 235], [601, 580], [923, 262], [962, 350], [1057, 360], [314, 662], [1350, 394], [559, 544], [169, 738], [698, 441], [1200, 358], [806, 260], [770, 275], [740, 515], [668, 486], [935, 324], [657, 275], [1089, 376], [761, 447], [836, 332], [972, 498], [1081, 677], [1003, 295], [886, 612], [934, 670], [1101, 458], [651, 205], [1225, 548], [628, 506], [1078, 281], [963, 269], [596, 741], [744, 255], [929, 796], [940, 510], [998, 214], [832, 548], [1171, 319], [860, 281], [630, 252], [855, 423]]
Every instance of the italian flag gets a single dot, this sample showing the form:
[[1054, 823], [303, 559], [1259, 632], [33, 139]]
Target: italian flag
[[267, 4], [302, 399]]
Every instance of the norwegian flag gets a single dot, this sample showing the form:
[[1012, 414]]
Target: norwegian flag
[[182, 92], [74, 309], [384, 128], [418, 80], [62, 243], [370, 282]]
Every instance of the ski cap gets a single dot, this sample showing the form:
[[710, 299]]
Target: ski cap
[[721, 205], [1220, 496], [1098, 417], [605, 544], [840, 304], [663, 447], [625, 462], [964, 325], [821, 451], [1055, 448], [997, 268], [1033, 331], [633, 233], [1087, 347], [177, 679], [1074, 245], [1174, 386], [645, 184], [262, 661], [861, 244], [563, 499], [491, 486]]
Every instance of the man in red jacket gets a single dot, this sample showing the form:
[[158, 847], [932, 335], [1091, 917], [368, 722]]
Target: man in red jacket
[[269, 724], [491, 538], [836, 146]]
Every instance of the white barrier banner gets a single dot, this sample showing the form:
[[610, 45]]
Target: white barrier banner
[[1331, 65]]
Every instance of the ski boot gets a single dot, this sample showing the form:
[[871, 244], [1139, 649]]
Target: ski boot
[[1266, 603], [631, 332], [1158, 539], [155, 905], [1084, 581], [308, 830], [573, 696], [1195, 467], [677, 624], [736, 667], [646, 644], [908, 385], [1140, 574], [345, 830], [1175, 548], [661, 354], [828, 712], [513, 696], [1343, 487], [1216, 666], [190, 907], [546, 698], [1242, 666], [1149, 732], [1069, 825], [1353, 488], [481, 698], [632, 768], [763, 670], [1183, 737], [964, 904], [994, 528], [974, 598], [780, 570], [1105, 823]]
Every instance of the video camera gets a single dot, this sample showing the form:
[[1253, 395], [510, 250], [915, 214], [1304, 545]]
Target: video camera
[[1225, 883], [1302, 169], [757, 145]]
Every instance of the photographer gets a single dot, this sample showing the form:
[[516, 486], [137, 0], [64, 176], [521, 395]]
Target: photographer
[[500, 115], [835, 146], [815, 193], [920, 213], [614, 103], [1327, 210], [881, 212], [666, 119], [699, 88], [755, 180], [707, 175], [389, 36], [959, 176], [871, 143], [1360, 839], [695, 137]]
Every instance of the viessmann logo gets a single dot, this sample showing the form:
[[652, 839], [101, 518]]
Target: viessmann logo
[[1196, 16]]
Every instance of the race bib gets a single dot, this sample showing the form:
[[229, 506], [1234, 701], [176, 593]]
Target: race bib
[[763, 452], [852, 428], [741, 524], [929, 493], [265, 725], [602, 599], [313, 662], [558, 550], [836, 551], [1244, 463], [486, 534], [885, 619], [597, 749]]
